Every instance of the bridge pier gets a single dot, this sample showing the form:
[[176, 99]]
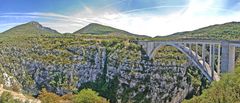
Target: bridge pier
[[210, 55], [213, 59], [227, 57], [204, 55], [150, 47], [196, 51], [219, 59]]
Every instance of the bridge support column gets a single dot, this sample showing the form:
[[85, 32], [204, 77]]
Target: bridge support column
[[219, 59], [213, 60], [185, 44], [204, 54], [196, 51], [228, 57], [190, 48], [210, 55], [149, 49]]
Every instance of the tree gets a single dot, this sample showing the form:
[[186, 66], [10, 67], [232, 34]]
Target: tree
[[88, 96]]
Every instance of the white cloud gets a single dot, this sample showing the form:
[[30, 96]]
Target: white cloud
[[63, 27], [196, 14]]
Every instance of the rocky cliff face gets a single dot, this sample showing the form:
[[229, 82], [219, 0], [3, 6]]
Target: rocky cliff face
[[120, 71]]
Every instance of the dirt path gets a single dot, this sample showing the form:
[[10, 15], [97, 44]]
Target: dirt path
[[19, 96]]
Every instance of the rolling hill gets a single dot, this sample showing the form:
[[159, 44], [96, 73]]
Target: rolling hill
[[98, 29], [29, 29], [226, 31], [36, 29]]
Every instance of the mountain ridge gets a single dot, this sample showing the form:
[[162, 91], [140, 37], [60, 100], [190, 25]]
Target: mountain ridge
[[32, 28], [229, 31], [35, 28], [99, 29]]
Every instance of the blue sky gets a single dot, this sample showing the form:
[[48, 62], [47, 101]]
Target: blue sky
[[148, 17]]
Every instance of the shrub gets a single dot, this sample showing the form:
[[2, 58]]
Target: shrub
[[88, 96], [47, 97], [6, 97], [67, 98], [15, 88], [227, 90]]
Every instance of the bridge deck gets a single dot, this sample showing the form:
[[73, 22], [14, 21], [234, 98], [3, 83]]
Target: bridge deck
[[203, 41]]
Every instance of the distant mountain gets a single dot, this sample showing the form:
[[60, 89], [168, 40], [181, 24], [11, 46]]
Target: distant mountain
[[98, 29], [36, 29], [227, 31], [30, 29]]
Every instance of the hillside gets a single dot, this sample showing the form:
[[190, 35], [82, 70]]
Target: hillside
[[98, 29], [224, 91], [29, 29], [227, 31]]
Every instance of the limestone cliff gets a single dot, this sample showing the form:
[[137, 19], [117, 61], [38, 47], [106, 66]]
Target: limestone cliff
[[117, 69]]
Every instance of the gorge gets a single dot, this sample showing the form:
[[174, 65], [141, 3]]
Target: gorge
[[33, 57]]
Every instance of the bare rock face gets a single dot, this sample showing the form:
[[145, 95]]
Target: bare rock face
[[145, 81]]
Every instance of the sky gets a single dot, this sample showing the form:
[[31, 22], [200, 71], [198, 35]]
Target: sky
[[145, 17]]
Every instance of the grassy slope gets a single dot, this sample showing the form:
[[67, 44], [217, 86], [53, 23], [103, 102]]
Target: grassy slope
[[227, 31], [227, 90], [21, 33], [98, 29], [29, 29]]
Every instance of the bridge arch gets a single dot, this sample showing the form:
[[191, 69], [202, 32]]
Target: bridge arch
[[197, 60], [225, 53]]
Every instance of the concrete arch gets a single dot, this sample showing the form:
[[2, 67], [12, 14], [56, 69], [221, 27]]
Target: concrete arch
[[197, 60]]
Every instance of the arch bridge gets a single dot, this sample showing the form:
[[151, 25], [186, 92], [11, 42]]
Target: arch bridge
[[220, 53]]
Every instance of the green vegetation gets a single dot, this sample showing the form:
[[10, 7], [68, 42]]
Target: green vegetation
[[48, 97], [227, 31], [7, 97], [29, 29], [88, 96], [84, 96], [98, 29], [227, 90]]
